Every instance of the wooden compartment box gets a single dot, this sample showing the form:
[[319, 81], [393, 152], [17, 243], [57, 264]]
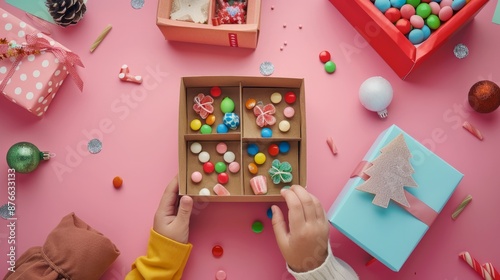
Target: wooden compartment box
[[240, 89]]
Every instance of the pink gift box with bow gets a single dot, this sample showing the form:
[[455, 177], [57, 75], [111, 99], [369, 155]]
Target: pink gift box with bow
[[32, 80]]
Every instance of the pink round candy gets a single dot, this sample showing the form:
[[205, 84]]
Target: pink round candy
[[196, 177], [435, 8], [289, 112], [407, 11], [446, 13], [221, 148], [417, 21], [445, 3], [220, 275], [234, 167]]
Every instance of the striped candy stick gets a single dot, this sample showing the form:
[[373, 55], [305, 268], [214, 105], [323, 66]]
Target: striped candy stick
[[492, 271], [475, 265]]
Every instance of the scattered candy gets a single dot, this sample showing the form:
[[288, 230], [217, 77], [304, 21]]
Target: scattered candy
[[250, 103], [259, 158], [208, 167], [203, 105], [137, 4], [289, 112], [227, 105], [100, 38], [220, 275], [204, 191], [332, 146], [269, 213], [266, 68], [94, 146], [215, 91], [222, 178], [330, 67], [217, 251], [117, 182], [204, 157], [205, 129], [461, 207], [273, 150], [210, 119], [196, 177], [281, 172], [234, 167], [221, 148], [229, 157], [195, 147], [284, 147], [491, 270], [252, 149], [259, 184], [264, 114], [257, 227], [195, 124], [474, 131], [252, 168], [266, 133], [284, 126], [475, 265], [231, 120], [461, 51], [290, 97], [220, 190], [276, 97], [220, 167], [222, 128]]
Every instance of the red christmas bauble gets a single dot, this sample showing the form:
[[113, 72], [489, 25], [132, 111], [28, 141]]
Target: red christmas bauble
[[484, 96]]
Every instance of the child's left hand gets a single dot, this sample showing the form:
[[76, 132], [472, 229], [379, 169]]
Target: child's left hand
[[169, 221]]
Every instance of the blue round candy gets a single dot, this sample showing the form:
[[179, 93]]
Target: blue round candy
[[284, 147], [398, 3], [416, 36], [252, 149], [457, 4], [266, 132], [222, 128], [382, 5], [427, 32], [231, 120], [269, 213]]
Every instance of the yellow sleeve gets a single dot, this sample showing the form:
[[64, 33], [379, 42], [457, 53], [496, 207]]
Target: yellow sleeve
[[164, 260]]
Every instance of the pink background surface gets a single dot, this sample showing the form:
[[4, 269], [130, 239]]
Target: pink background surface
[[140, 145]]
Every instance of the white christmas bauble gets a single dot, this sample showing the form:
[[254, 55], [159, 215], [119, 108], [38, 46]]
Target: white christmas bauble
[[375, 94]]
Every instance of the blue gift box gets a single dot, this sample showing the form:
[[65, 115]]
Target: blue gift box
[[391, 234]]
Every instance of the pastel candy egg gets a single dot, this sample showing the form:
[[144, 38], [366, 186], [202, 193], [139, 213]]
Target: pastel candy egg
[[284, 126], [231, 120], [407, 11], [234, 167], [266, 133], [427, 31], [416, 36], [392, 14], [204, 191], [403, 25], [417, 21], [446, 13], [289, 112], [222, 128], [276, 97], [196, 177], [423, 10], [195, 148], [227, 105], [458, 4], [221, 148], [229, 157], [433, 22], [204, 157], [382, 5], [445, 3], [435, 8], [398, 3]]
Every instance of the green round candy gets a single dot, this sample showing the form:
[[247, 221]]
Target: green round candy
[[227, 105], [257, 227], [414, 3], [220, 167], [205, 129], [433, 22], [424, 10], [330, 67]]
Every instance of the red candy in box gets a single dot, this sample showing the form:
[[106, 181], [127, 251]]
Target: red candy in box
[[390, 43], [32, 65]]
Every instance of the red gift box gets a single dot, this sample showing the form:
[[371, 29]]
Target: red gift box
[[392, 45]]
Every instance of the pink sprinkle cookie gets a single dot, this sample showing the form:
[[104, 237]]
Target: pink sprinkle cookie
[[220, 190], [196, 177], [234, 167], [259, 184], [221, 148], [289, 112]]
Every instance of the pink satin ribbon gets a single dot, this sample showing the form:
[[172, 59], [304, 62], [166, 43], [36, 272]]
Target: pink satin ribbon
[[417, 208], [34, 43]]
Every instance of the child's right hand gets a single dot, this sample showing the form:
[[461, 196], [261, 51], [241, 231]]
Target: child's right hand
[[304, 244]]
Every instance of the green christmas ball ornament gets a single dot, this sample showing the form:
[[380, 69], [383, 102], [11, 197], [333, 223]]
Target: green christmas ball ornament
[[24, 157]]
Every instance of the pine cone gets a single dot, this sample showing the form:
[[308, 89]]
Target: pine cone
[[66, 12]]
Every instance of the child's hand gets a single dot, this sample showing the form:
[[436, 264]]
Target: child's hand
[[166, 222], [304, 247]]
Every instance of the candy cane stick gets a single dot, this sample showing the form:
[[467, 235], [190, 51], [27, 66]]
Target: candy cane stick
[[475, 265], [492, 271]]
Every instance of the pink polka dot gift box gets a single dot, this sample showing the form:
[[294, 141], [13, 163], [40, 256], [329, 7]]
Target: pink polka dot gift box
[[32, 65]]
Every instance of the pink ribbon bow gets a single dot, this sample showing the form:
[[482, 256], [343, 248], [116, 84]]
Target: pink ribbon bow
[[67, 58]]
